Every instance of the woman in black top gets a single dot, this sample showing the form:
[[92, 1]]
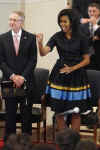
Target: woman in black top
[[68, 86]]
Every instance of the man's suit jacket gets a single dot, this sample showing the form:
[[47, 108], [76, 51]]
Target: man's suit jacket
[[25, 62], [94, 46], [81, 6]]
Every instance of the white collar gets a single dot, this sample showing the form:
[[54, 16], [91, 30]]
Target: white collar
[[18, 33], [98, 19]]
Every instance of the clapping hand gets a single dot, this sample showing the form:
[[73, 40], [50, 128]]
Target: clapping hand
[[84, 20], [93, 20]]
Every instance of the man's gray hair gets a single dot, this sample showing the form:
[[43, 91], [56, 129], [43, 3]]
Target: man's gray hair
[[20, 14]]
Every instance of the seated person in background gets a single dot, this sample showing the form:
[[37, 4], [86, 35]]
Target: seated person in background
[[18, 142], [67, 139], [91, 30], [88, 29]]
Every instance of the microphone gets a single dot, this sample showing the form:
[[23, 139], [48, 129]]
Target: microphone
[[75, 110]]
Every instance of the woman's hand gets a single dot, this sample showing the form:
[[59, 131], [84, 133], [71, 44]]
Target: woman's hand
[[44, 50], [66, 69], [39, 37]]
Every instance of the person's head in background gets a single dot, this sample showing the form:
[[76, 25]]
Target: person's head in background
[[44, 147], [25, 140], [68, 21], [16, 20], [67, 139], [10, 142], [86, 145], [18, 142], [94, 10]]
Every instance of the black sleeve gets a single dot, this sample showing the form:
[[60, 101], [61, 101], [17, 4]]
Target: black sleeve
[[32, 58], [84, 45], [3, 65], [97, 32], [52, 42]]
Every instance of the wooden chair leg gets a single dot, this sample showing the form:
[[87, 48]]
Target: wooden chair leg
[[53, 127], [44, 117], [44, 130], [95, 133], [38, 131]]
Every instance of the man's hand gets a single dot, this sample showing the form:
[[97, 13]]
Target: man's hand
[[18, 80], [93, 20], [84, 20]]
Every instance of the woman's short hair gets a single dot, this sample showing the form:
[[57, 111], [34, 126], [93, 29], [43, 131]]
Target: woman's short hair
[[73, 17]]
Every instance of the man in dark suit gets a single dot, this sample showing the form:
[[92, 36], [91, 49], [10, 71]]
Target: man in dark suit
[[81, 7], [92, 31], [18, 63]]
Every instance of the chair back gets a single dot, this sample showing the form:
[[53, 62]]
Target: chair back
[[41, 76]]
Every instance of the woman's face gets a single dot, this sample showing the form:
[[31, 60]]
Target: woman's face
[[65, 23]]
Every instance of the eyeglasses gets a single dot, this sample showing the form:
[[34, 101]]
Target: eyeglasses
[[15, 20]]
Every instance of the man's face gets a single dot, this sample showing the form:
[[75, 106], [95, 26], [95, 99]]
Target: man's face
[[15, 22], [93, 12]]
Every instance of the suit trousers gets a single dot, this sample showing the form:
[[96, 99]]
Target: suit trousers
[[26, 115]]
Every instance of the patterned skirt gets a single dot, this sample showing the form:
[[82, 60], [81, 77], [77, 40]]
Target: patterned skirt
[[67, 91]]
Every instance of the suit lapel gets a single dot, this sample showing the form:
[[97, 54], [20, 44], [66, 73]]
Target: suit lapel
[[86, 27], [22, 42], [11, 47], [98, 22], [10, 43]]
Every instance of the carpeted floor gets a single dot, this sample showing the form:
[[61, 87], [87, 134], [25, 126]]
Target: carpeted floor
[[49, 135], [34, 136], [34, 133]]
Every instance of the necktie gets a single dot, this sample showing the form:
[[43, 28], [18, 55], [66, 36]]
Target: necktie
[[91, 30], [16, 43]]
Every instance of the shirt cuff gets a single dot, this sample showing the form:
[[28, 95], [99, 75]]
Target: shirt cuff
[[24, 79], [95, 27], [12, 76]]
